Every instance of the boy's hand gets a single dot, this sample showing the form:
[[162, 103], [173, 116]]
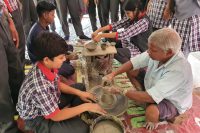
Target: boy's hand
[[97, 38], [87, 97], [72, 56], [95, 108], [94, 34]]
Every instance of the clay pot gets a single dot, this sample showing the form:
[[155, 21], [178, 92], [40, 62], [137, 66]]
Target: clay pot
[[103, 46], [91, 46], [107, 124]]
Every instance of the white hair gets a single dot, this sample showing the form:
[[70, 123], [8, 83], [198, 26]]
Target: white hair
[[166, 38]]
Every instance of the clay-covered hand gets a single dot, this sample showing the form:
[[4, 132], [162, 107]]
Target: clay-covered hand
[[95, 108], [113, 89], [87, 97]]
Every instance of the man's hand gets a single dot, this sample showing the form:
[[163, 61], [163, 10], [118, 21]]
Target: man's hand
[[87, 97], [95, 108], [152, 125], [113, 89], [107, 80]]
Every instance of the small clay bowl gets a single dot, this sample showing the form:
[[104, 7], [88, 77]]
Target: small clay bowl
[[91, 46], [103, 46]]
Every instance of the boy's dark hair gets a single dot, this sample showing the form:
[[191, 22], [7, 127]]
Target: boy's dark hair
[[135, 6], [49, 45], [44, 6]]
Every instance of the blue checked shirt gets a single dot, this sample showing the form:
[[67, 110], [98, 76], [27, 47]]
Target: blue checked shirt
[[39, 94]]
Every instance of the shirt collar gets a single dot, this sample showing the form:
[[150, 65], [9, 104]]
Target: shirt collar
[[51, 75], [172, 59]]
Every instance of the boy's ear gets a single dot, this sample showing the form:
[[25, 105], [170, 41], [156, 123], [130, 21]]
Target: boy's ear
[[46, 60], [45, 15]]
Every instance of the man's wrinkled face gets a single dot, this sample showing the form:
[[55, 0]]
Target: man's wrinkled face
[[155, 52]]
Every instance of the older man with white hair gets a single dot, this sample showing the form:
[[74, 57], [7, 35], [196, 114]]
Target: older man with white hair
[[168, 79]]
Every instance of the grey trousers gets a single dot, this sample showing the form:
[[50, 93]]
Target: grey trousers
[[73, 125], [107, 7], [17, 18], [92, 14], [9, 127], [29, 15], [11, 77], [74, 10], [123, 55]]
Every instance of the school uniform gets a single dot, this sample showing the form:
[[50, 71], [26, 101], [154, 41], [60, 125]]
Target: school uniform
[[11, 76], [186, 22], [66, 69], [134, 37], [155, 14], [40, 99]]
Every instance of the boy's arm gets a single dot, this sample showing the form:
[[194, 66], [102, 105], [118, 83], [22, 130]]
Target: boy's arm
[[67, 113], [105, 28], [68, 89], [13, 30], [85, 96], [105, 35]]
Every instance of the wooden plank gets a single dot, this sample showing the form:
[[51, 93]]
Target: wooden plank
[[99, 51]]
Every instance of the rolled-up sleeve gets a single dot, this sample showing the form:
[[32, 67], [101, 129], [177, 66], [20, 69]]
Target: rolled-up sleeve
[[140, 61]]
